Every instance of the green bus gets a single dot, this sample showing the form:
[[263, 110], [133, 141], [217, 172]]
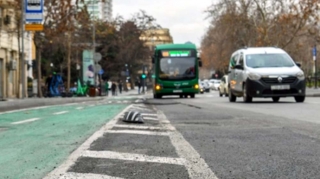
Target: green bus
[[175, 70]]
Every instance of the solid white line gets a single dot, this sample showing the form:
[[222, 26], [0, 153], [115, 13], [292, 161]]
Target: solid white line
[[138, 127], [195, 164], [25, 121], [72, 175], [138, 132], [79, 108], [62, 112], [133, 157], [85, 146]]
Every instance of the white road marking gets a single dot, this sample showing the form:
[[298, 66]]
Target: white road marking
[[62, 169], [148, 114], [19, 110], [133, 157], [72, 175], [138, 132], [25, 121], [109, 101], [125, 101], [196, 166], [62, 112], [79, 108], [138, 127], [150, 118]]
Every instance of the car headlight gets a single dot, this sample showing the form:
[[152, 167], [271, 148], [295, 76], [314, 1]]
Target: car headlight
[[300, 75], [254, 76]]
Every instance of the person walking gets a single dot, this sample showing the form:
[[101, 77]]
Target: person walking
[[106, 87], [113, 88], [120, 87], [139, 86]]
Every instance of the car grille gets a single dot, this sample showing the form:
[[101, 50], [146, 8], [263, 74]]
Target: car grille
[[285, 80]]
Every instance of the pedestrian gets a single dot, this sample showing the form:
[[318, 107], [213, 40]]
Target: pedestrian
[[106, 87], [48, 83], [120, 87], [139, 87], [113, 88]]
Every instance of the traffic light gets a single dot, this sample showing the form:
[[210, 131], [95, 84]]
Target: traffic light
[[143, 76]]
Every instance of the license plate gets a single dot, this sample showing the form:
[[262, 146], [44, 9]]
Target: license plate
[[280, 87], [177, 91]]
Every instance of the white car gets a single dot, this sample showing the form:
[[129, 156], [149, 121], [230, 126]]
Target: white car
[[215, 84], [223, 88]]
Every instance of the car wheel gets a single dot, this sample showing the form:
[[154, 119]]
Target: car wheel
[[181, 96], [192, 95], [275, 99], [220, 94], [232, 98], [225, 93], [299, 99], [246, 97]]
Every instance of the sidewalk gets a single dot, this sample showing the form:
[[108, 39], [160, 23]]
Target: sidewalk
[[14, 104], [311, 92]]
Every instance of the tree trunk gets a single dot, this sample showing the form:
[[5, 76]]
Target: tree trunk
[[39, 72], [69, 62]]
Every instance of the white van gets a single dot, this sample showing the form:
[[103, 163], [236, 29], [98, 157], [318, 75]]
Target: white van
[[265, 72]]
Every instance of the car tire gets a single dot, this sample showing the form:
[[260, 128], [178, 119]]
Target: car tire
[[225, 93], [220, 94], [181, 96], [232, 98], [246, 97], [275, 99], [299, 99], [192, 95]]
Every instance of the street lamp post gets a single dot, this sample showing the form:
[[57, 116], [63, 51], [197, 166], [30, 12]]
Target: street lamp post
[[94, 45], [315, 65]]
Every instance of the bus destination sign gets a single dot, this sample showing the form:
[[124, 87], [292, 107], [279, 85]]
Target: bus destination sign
[[176, 53]]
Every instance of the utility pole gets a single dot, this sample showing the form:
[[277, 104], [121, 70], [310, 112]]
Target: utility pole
[[22, 73], [315, 65], [143, 78], [94, 46]]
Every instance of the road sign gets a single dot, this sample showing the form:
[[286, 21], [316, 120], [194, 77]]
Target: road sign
[[33, 27], [34, 10], [97, 57]]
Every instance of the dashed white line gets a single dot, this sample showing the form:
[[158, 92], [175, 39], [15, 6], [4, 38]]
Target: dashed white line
[[133, 157], [138, 127], [72, 175], [25, 121], [138, 132], [79, 108], [62, 112], [19, 110]]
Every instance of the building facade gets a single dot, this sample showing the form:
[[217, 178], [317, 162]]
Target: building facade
[[99, 9], [10, 66]]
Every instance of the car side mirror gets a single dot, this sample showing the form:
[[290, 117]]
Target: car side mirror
[[239, 67], [200, 62], [153, 59], [298, 64]]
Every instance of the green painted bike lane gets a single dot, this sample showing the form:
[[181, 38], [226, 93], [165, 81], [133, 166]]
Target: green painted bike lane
[[31, 150]]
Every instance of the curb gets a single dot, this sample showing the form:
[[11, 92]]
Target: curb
[[313, 95], [30, 104]]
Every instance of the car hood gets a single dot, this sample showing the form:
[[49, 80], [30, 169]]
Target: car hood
[[276, 71]]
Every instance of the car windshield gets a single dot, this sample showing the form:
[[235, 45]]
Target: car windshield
[[268, 60], [177, 68]]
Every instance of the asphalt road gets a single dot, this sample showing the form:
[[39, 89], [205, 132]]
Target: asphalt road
[[205, 137], [258, 140]]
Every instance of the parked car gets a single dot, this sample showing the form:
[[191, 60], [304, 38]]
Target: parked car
[[266, 72], [223, 87], [206, 85]]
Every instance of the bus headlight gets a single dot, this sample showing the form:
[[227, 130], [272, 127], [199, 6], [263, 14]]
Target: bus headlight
[[196, 86], [158, 87]]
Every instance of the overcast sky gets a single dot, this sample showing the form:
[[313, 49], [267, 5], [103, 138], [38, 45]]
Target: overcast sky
[[185, 18]]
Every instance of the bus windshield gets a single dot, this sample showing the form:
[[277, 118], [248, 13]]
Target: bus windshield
[[177, 68]]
